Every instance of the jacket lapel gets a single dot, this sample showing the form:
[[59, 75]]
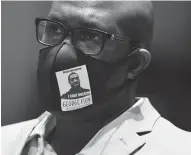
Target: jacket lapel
[[124, 141], [26, 131], [121, 135], [17, 141]]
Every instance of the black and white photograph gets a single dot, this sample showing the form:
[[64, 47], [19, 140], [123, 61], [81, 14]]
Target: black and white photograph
[[95, 77], [73, 95]]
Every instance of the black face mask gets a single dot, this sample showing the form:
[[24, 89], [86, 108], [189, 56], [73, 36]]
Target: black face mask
[[65, 56]]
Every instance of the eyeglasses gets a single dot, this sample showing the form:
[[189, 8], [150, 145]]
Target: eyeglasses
[[90, 41]]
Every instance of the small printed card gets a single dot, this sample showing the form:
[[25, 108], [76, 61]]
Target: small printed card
[[74, 86]]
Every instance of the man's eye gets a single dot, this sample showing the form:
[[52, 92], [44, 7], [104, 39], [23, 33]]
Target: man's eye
[[53, 29], [89, 37]]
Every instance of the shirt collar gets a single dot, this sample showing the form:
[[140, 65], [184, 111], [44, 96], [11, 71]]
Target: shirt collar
[[142, 115]]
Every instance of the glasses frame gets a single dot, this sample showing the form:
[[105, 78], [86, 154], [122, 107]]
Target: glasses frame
[[106, 36]]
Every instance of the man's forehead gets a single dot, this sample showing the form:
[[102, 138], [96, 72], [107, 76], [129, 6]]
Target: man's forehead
[[119, 17], [73, 76], [83, 14]]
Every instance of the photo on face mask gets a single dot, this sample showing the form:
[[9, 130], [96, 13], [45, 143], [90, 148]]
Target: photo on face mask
[[74, 86]]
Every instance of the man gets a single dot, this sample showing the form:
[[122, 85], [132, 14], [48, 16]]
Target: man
[[110, 39], [74, 81]]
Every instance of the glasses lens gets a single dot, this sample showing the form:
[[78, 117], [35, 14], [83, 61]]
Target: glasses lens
[[88, 41], [50, 33]]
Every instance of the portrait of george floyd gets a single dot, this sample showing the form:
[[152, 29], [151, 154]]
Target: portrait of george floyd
[[96, 78], [76, 89]]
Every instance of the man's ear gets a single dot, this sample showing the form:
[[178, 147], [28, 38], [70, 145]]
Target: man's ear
[[142, 60]]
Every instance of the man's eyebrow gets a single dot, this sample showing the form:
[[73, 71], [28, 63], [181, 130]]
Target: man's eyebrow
[[90, 24], [94, 25], [84, 23], [56, 18]]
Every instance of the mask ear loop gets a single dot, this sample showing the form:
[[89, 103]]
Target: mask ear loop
[[47, 60], [122, 60]]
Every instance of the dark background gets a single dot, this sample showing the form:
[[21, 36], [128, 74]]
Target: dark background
[[167, 81]]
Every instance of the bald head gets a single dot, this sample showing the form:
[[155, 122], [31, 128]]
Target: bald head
[[126, 18]]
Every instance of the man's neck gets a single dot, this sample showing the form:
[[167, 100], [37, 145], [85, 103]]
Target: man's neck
[[76, 87]]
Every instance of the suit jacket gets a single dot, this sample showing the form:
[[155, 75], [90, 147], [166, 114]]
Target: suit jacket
[[138, 131]]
